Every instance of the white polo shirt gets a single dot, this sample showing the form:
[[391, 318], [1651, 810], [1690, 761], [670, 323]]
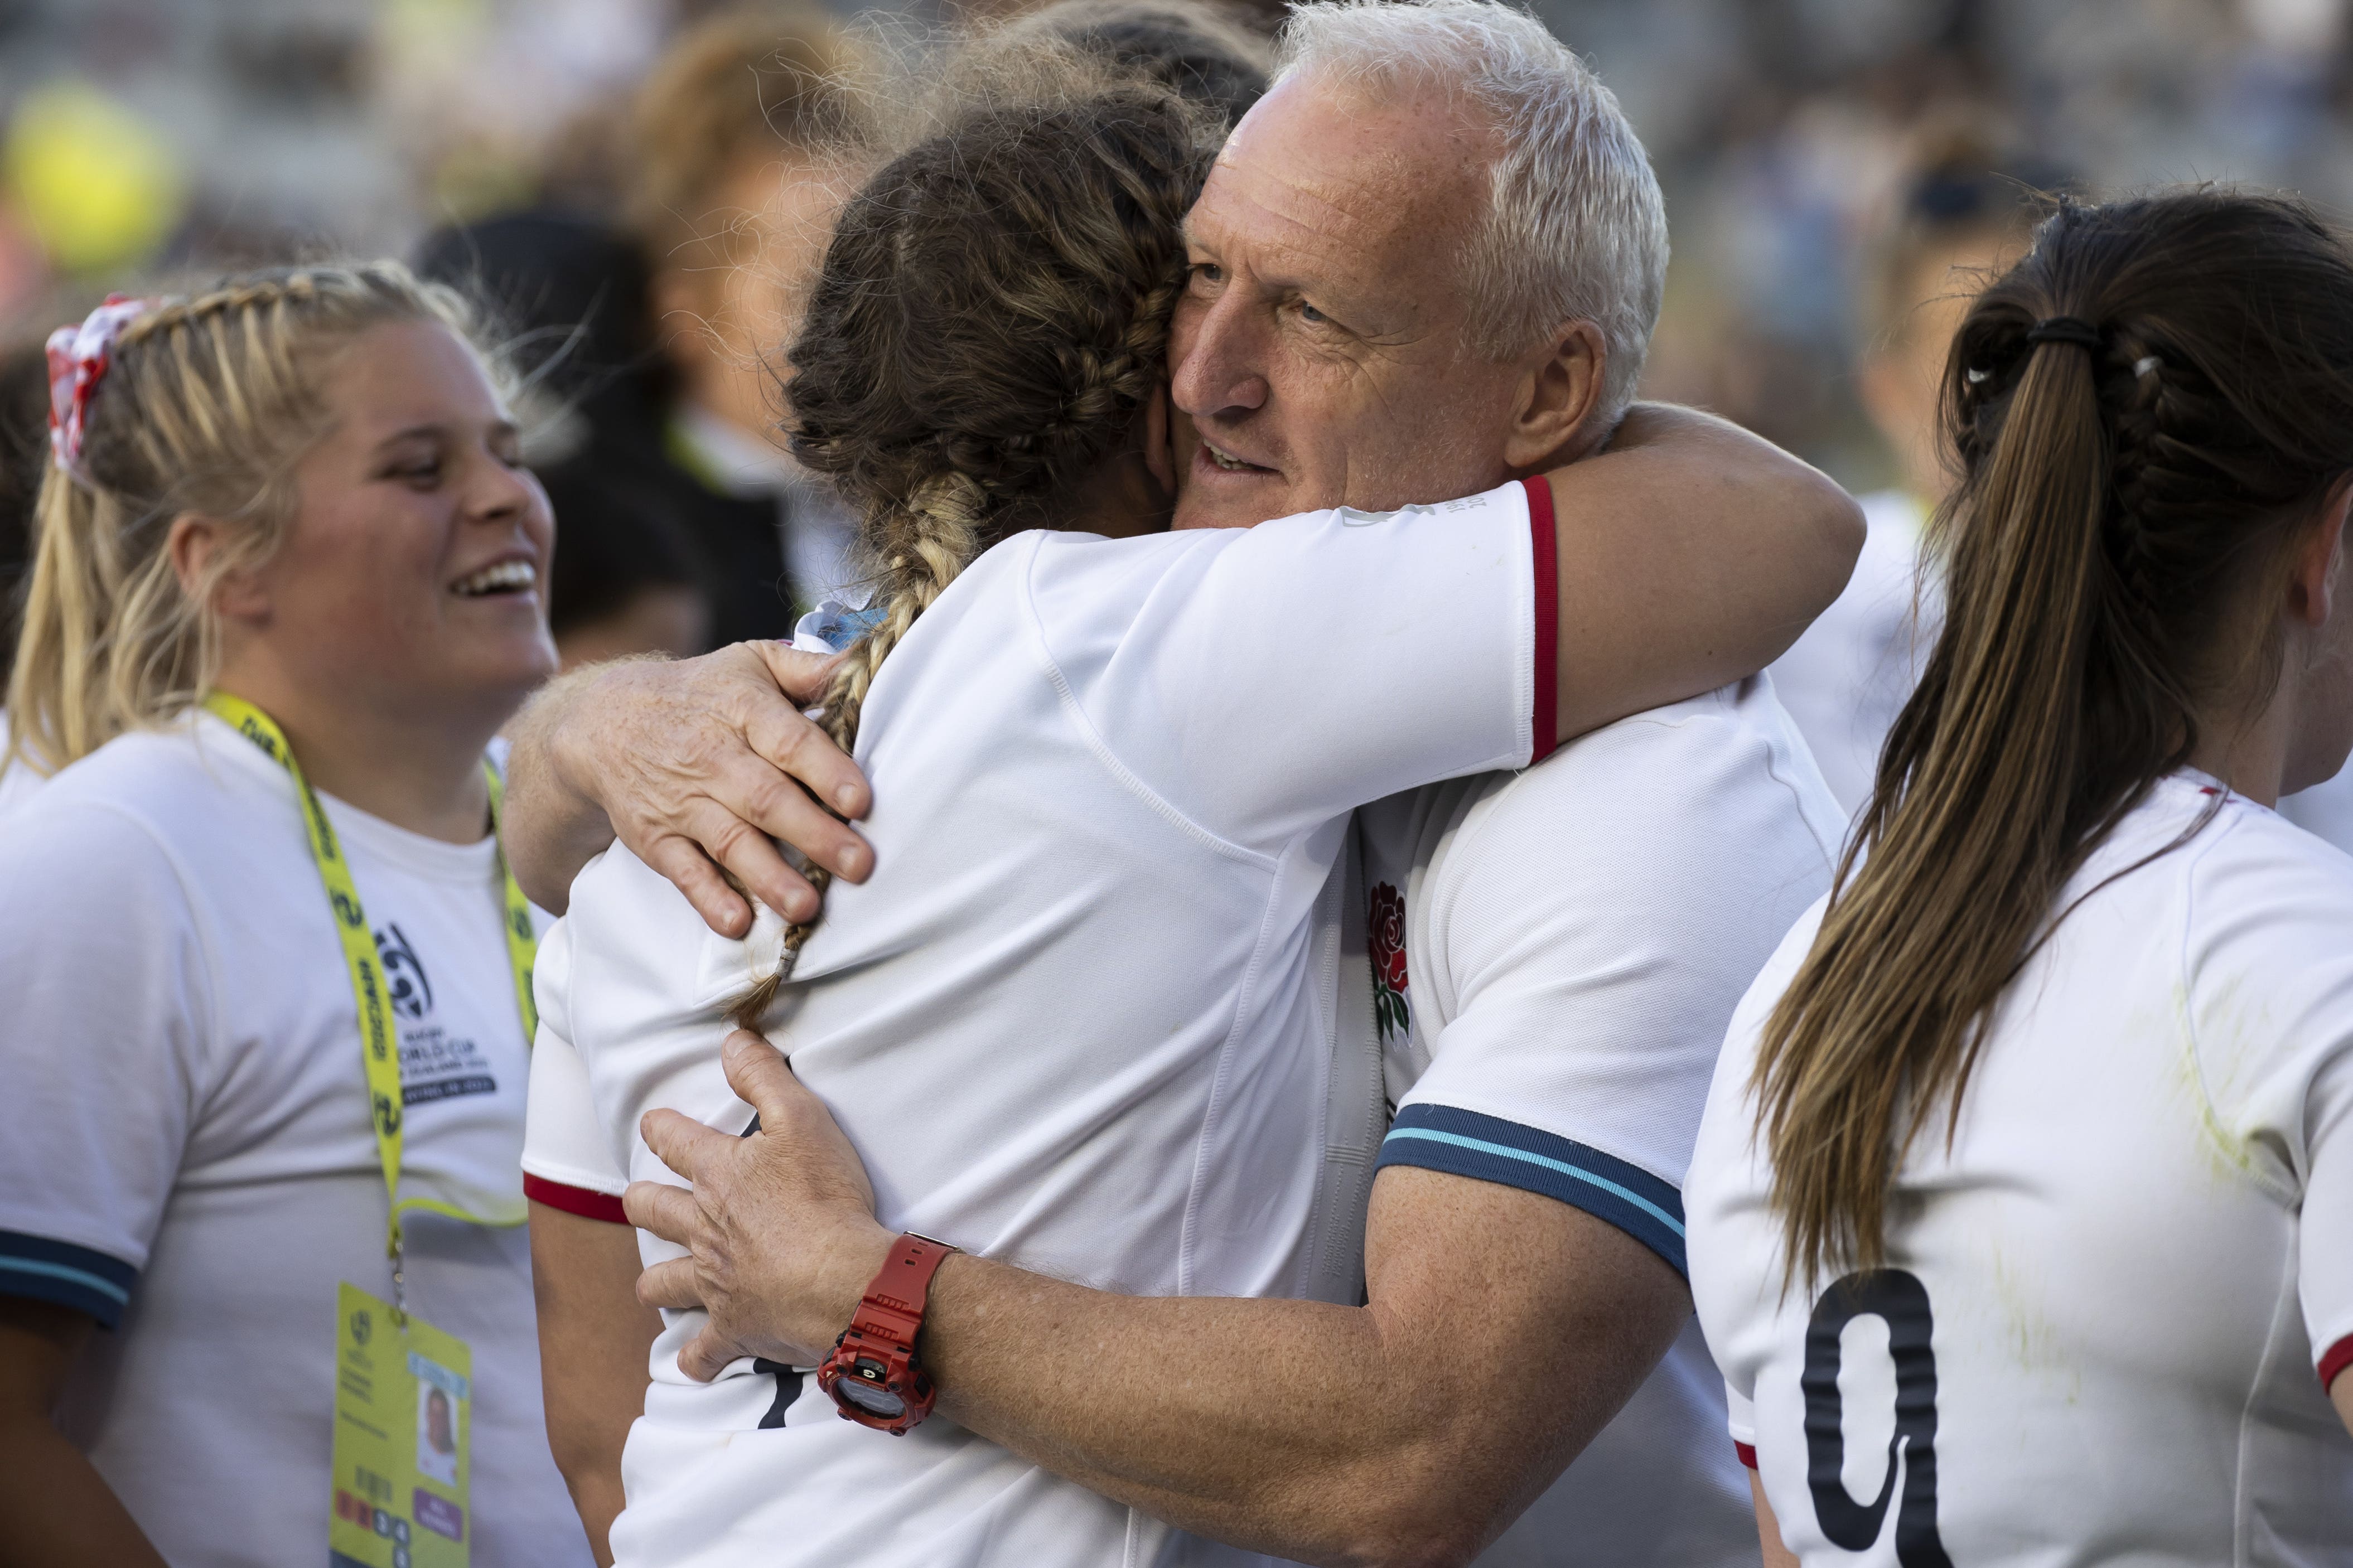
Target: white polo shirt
[[1075, 1020], [2113, 1300], [1554, 956], [185, 1152]]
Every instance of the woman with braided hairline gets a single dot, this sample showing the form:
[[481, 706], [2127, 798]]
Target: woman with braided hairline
[[1074, 1020], [284, 598], [950, 427], [2052, 1102]]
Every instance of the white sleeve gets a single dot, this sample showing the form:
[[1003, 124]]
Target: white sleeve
[[2325, 1238], [1740, 1413], [567, 1163], [1262, 681], [110, 1012], [1590, 930], [2271, 1002]]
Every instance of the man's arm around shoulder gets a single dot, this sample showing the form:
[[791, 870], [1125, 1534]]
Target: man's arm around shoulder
[[1503, 1328]]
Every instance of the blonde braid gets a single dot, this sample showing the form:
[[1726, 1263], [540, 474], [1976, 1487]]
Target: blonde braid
[[936, 534], [990, 323]]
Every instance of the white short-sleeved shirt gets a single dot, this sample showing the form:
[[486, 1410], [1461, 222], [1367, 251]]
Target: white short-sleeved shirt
[[1554, 956], [1849, 674], [185, 1152], [2112, 1304], [1076, 1020]]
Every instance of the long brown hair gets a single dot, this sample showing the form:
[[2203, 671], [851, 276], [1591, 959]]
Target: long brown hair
[[2123, 492], [991, 320]]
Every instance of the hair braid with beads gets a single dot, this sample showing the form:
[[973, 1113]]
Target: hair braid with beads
[[990, 324], [207, 405]]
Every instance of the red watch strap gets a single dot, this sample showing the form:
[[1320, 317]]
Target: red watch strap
[[879, 1346], [903, 1283]]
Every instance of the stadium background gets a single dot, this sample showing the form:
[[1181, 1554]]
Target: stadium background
[[140, 137]]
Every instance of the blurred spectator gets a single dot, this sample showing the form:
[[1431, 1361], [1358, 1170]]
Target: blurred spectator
[[625, 580], [570, 294], [732, 193], [1956, 223], [1207, 50]]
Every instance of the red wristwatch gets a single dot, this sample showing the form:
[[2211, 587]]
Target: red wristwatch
[[873, 1377]]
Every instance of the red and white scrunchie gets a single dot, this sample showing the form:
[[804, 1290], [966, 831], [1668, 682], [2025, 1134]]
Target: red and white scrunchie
[[78, 360]]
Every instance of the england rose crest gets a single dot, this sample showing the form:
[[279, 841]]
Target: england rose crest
[[1385, 937]]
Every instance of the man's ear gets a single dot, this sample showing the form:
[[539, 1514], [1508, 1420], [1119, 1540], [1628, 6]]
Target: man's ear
[[2312, 578], [1558, 394], [194, 545], [1159, 448]]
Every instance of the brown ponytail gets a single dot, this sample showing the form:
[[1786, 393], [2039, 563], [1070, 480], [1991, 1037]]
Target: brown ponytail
[[2125, 493], [991, 320]]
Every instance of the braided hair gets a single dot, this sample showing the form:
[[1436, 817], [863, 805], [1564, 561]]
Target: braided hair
[[990, 323], [2146, 415], [208, 403]]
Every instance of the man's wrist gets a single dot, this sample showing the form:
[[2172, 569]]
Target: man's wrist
[[856, 1258], [571, 754]]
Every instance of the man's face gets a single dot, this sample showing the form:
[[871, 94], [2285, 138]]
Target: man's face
[[1320, 346]]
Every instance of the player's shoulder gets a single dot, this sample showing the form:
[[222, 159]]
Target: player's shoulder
[[135, 802], [2265, 893], [1068, 580], [1703, 776]]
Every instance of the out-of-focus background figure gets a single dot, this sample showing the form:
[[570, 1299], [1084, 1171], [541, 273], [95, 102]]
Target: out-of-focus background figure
[[638, 183], [1957, 216]]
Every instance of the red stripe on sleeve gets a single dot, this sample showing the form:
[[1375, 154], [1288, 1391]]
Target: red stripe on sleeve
[[1546, 551], [2339, 1357], [574, 1200], [1747, 1452]]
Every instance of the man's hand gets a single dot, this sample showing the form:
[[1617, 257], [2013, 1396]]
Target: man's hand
[[780, 1225], [695, 766]]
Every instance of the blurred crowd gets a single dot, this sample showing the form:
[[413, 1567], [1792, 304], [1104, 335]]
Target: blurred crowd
[[607, 167], [633, 198], [634, 185]]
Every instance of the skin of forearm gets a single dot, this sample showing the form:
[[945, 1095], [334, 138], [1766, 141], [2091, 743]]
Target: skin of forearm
[[1411, 1430], [55, 1508], [1281, 1426], [549, 828], [595, 1340]]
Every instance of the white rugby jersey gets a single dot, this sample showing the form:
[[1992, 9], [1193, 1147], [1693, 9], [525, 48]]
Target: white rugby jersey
[[1554, 956], [2112, 1305], [1850, 673], [185, 1152], [1080, 1019]]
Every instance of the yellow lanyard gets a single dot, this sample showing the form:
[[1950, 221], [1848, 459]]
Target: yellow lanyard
[[378, 1051]]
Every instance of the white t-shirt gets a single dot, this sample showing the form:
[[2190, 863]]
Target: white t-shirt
[[1554, 955], [1849, 675], [1074, 1021], [2106, 1300], [185, 1152], [2325, 811]]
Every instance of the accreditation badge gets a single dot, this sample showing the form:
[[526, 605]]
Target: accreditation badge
[[403, 1435]]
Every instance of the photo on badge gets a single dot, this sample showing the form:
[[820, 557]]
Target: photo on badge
[[437, 1434]]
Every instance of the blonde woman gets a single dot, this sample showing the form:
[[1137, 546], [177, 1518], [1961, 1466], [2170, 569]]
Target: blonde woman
[[294, 500]]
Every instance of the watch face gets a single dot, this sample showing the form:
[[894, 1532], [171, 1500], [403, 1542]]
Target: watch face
[[871, 1397]]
